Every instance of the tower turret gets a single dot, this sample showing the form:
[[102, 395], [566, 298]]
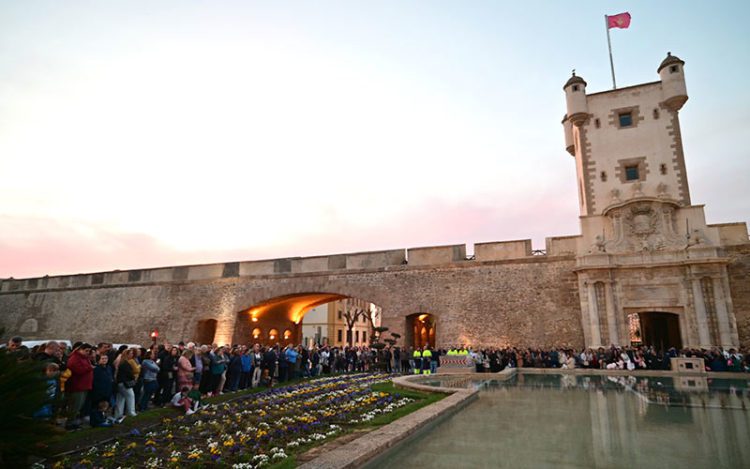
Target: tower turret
[[575, 98], [672, 76]]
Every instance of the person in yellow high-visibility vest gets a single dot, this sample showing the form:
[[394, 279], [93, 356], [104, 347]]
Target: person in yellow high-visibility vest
[[417, 356], [426, 359]]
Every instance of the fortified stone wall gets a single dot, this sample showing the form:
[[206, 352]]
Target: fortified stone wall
[[739, 284], [532, 300]]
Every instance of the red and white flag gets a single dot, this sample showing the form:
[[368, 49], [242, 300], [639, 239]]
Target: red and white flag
[[621, 21]]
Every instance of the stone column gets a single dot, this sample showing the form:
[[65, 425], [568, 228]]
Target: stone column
[[596, 336], [700, 314], [226, 318], [611, 314], [722, 315]]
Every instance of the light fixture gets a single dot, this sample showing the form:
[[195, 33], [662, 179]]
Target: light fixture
[[255, 319]]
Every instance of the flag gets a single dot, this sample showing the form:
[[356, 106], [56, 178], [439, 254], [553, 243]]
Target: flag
[[621, 21]]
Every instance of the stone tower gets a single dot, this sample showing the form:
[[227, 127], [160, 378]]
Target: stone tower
[[650, 270]]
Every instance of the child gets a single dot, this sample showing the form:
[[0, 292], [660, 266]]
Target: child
[[99, 416], [195, 397], [181, 399], [51, 370]]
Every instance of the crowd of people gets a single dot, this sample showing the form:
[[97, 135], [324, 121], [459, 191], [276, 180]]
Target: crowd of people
[[609, 358], [103, 385]]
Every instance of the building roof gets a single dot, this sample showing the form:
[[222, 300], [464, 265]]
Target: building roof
[[574, 79], [671, 59]]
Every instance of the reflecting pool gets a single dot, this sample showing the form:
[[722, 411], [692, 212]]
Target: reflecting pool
[[588, 421]]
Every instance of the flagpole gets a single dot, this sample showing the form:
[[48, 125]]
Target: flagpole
[[609, 46]]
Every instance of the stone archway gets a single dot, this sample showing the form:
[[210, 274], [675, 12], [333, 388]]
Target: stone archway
[[655, 329], [282, 317], [421, 330], [205, 331]]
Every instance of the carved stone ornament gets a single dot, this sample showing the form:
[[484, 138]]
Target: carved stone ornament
[[661, 191], [615, 193], [644, 226]]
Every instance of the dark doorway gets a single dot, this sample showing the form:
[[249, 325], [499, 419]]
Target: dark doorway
[[660, 330], [205, 331], [420, 330]]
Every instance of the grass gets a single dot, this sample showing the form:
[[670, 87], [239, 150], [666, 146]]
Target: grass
[[72, 441], [421, 399]]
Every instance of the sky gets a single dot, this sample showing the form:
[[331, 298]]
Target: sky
[[141, 134]]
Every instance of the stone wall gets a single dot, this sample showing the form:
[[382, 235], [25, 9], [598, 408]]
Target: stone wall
[[739, 285], [522, 301]]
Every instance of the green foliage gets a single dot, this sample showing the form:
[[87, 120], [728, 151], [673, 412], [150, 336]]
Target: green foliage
[[23, 391]]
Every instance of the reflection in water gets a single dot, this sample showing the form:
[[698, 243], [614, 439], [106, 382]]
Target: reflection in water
[[589, 421]]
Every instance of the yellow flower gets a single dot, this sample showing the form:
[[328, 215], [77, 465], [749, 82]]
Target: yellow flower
[[169, 436], [173, 460], [131, 445], [150, 443], [229, 442], [58, 465], [107, 454]]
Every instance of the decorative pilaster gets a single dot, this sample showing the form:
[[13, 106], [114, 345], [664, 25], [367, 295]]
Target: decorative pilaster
[[700, 314]]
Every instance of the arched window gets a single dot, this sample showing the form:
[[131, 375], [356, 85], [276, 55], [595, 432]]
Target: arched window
[[273, 334], [257, 333]]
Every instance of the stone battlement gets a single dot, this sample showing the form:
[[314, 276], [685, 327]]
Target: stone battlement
[[372, 260]]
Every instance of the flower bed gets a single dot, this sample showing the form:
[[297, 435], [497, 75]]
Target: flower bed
[[250, 432]]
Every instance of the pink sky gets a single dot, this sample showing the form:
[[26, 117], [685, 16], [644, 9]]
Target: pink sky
[[141, 134]]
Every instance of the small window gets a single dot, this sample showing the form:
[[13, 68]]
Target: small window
[[356, 335], [575, 87], [656, 113], [339, 335], [674, 69], [340, 314], [597, 123], [631, 173], [364, 336], [626, 119], [603, 176], [663, 169]]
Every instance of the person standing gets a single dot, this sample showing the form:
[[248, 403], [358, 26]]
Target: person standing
[[257, 357], [150, 371], [417, 357], [126, 378], [79, 383]]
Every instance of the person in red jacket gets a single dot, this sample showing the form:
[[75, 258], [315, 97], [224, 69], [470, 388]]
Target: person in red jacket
[[80, 382]]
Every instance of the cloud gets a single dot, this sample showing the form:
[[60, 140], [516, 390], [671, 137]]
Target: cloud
[[35, 246]]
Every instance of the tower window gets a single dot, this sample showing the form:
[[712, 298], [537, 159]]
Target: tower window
[[603, 176], [656, 113], [626, 119], [674, 69], [575, 87], [663, 169], [597, 123], [631, 173], [339, 335]]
